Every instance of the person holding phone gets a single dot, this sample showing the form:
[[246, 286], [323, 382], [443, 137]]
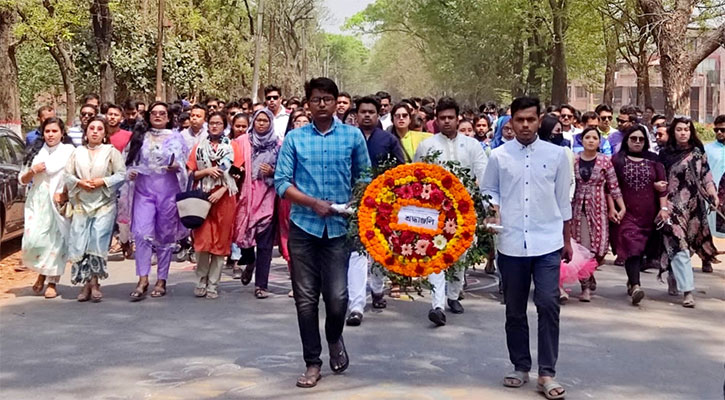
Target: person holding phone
[[212, 162], [155, 165]]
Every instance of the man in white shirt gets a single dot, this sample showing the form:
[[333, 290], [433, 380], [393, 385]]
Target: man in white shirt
[[567, 118], [386, 105], [273, 102], [528, 181], [196, 132], [469, 153], [76, 133]]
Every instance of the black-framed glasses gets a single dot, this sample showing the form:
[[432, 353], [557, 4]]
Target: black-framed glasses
[[622, 121], [566, 116], [636, 139], [606, 118], [272, 98], [719, 130], [325, 100], [401, 116], [90, 114]]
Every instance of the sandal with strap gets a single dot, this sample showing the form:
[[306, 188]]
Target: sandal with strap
[[515, 379], [96, 294], [159, 289], [139, 293], [309, 380], [339, 361], [689, 300], [260, 293], [548, 387], [85, 293], [39, 285]]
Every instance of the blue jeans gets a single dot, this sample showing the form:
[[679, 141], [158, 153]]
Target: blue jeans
[[516, 274]]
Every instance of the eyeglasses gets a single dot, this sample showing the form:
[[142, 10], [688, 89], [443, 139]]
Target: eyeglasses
[[606, 118], [401, 116], [566, 116], [325, 100], [216, 123], [636, 139], [622, 121], [719, 130], [159, 113], [272, 97], [90, 114]]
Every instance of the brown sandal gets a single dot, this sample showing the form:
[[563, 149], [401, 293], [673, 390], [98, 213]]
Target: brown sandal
[[85, 293], [50, 292], [159, 289], [309, 380], [139, 293], [39, 285], [96, 294]]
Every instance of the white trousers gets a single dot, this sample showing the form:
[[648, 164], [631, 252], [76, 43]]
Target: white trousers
[[357, 281], [443, 289]]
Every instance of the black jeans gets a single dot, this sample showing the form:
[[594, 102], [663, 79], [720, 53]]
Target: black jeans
[[516, 274], [320, 267]]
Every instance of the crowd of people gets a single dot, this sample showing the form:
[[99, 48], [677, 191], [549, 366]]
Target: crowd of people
[[646, 189]]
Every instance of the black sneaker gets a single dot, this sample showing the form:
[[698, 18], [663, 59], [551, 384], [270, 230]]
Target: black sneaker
[[354, 319], [455, 306], [637, 296], [437, 316]]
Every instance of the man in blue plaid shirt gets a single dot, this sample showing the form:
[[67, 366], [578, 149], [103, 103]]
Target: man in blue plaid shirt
[[317, 167]]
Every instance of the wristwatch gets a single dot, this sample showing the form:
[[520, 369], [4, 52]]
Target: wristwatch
[[665, 209]]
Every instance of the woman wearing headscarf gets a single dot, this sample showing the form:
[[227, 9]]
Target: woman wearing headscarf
[[94, 173], [46, 228], [155, 164], [254, 223], [691, 192], [500, 137], [213, 161]]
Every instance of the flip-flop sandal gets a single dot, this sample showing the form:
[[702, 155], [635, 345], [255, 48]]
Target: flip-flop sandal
[[200, 292], [547, 387], [306, 382], [139, 294], [260, 293], [159, 291], [520, 376], [339, 361], [38, 289]]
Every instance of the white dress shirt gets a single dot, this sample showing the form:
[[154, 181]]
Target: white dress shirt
[[280, 123], [386, 121], [530, 184], [466, 150]]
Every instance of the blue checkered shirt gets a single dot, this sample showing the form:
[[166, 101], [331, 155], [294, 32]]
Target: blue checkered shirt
[[323, 166]]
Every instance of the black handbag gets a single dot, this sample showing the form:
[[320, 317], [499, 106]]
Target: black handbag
[[193, 205]]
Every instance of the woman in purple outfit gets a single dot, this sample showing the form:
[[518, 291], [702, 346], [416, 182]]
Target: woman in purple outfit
[[156, 157]]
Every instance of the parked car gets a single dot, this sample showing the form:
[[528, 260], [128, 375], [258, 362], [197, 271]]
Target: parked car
[[12, 193]]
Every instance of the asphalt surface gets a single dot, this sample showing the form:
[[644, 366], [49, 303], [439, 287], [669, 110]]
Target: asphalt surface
[[238, 347]]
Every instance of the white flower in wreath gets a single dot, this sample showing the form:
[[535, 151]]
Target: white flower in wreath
[[425, 193], [440, 241]]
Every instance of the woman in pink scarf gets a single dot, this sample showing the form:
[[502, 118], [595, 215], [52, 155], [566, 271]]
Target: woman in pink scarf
[[254, 223]]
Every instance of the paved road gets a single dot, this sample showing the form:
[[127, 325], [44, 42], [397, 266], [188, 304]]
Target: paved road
[[237, 347]]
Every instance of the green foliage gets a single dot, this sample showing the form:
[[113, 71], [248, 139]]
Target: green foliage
[[704, 131], [38, 79]]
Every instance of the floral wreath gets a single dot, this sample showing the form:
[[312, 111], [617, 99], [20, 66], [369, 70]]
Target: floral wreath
[[416, 219]]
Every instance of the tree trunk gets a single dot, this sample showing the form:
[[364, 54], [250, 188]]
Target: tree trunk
[[517, 87], [536, 60], [9, 91], [678, 59], [644, 95], [558, 65], [103, 34], [608, 93], [67, 73]]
